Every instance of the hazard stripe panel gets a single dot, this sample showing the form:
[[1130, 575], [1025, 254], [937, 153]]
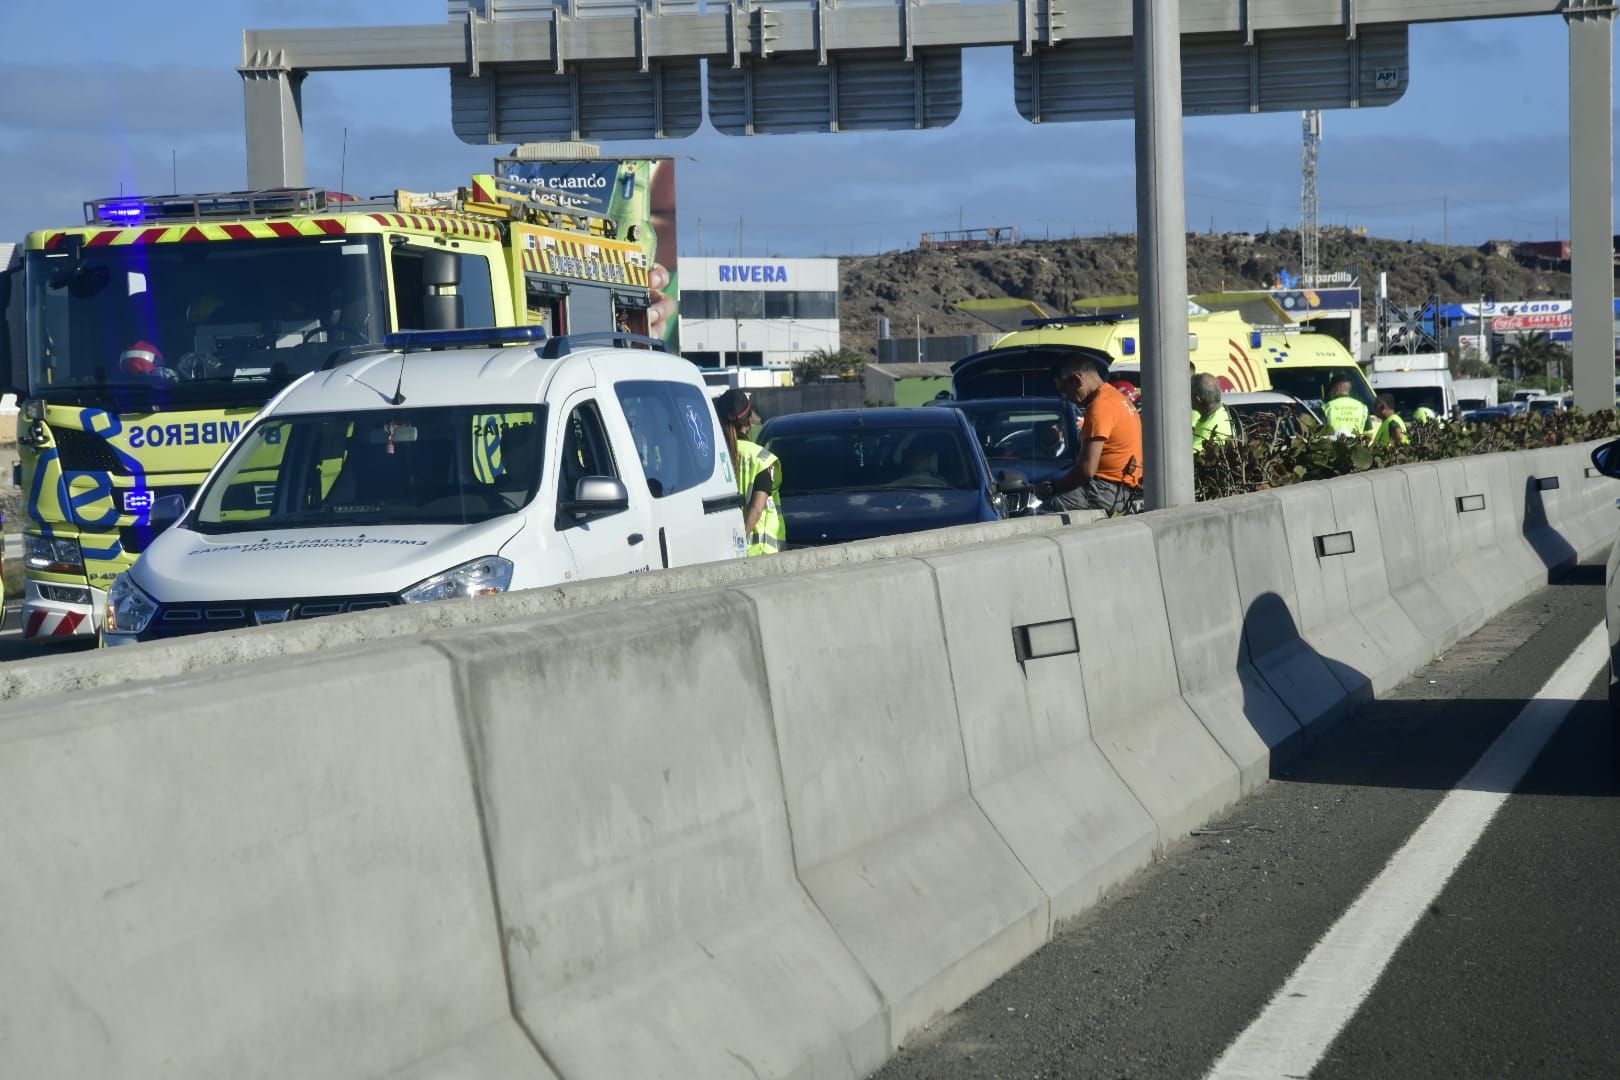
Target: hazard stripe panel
[[55, 624], [193, 232]]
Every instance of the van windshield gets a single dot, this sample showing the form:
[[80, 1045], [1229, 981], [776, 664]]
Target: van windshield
[[449, 466], [1313, 383], [1410, 398]]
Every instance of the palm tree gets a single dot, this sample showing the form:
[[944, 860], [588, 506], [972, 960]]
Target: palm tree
[[1531, 353], [843, 361]]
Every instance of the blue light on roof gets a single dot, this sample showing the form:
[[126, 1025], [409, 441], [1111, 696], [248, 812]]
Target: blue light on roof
[[123, 214], [471, 337]]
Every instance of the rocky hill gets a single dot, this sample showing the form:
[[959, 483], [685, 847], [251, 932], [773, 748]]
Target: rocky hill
[[906, 285]]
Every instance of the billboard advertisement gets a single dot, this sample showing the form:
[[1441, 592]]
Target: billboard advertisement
[[638, 194], [1519, 324]]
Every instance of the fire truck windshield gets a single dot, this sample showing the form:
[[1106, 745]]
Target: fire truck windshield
[[215, 322]]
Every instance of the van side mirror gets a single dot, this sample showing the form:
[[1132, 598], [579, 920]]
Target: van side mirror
[[167, 509], [442, 308], [442, 311], [441, 269], [1606, 459], [596, 496]]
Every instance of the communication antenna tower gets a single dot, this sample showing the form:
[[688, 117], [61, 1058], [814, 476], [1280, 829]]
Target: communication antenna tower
[[1310, 260]]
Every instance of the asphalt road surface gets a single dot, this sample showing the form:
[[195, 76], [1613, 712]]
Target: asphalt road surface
[[1318, 931]]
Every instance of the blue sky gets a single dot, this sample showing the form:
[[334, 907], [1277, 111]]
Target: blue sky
[[100, 95]]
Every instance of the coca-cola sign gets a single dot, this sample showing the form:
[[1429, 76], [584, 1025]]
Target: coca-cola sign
[[1518, 324]]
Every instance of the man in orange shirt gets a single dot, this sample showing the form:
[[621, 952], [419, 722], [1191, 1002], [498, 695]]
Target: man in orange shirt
[[1109, 468]]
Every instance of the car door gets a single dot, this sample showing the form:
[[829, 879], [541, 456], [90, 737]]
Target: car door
[[678, 444], [616, 542]]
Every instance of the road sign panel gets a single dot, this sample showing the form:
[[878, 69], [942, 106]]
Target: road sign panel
[[1282, 71], [862, 92]]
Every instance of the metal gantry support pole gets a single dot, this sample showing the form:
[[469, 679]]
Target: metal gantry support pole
[[1161, 253], [1591, 209], [274, 106]]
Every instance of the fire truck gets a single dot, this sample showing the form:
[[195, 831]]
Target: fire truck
[[143, 340]]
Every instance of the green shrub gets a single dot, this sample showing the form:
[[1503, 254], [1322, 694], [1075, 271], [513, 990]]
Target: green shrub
[[1264, 461]]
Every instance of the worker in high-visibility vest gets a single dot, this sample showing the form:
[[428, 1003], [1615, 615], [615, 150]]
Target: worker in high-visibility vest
[[759, 475], [1391, 429], [1212, 423], [1424, 415], [1346, 415]]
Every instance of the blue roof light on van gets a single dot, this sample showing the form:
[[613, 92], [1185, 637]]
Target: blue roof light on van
[[490, 337]]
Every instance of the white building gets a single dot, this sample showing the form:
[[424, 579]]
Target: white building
[[757, 313]]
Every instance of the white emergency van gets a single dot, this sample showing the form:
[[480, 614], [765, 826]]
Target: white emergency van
[[455, 463]]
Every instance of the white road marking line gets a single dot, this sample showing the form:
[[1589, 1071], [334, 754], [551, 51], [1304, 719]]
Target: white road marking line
[[1294, 1030]]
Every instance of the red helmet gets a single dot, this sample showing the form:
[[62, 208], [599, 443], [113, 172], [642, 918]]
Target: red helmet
[[141, 358]]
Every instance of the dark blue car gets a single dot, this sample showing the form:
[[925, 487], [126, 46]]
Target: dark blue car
[[852, 474], [1024, 440]]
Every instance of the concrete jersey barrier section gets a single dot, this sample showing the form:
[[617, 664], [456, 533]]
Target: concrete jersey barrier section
[[166, 659], [756, 820], [277, 874]]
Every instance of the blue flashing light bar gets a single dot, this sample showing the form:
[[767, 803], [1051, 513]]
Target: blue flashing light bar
[[131, 213], [490, 337], [138, 210]]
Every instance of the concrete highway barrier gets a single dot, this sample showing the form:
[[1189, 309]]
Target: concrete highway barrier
[[761, 819], [1205, 615], [1139, 720], [1032, 763], [1437, 532], [158, 660], [1437, 619], [276, 874], [638, 844], [1369, 597], [1327, 618], [1471, 501], [1296, 673], [888, 840]]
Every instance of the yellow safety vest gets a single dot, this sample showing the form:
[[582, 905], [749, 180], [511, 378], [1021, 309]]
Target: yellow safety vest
[[1346, 416], [770, 532], [1384, 434], [1214, 428]]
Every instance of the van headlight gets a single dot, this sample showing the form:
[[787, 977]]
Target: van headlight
[[129, 609], [53, 555], [481, 577]]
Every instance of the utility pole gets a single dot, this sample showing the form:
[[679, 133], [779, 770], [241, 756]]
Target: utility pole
[[1445, 220], [1591, 200], [1161, 252]]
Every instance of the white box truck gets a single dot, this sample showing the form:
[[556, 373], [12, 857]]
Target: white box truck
[[1415, 380], [1475, 393]]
